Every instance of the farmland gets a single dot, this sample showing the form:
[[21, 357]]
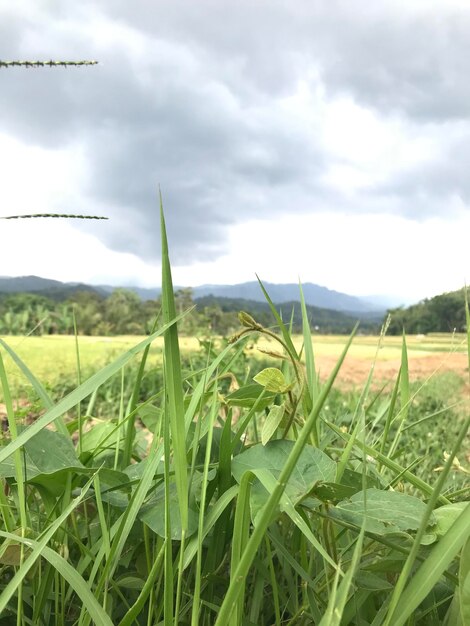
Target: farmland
[[172, 477], [53, 358]]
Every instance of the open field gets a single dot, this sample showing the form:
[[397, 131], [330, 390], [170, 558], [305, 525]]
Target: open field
[[188, 493], [52, 358]]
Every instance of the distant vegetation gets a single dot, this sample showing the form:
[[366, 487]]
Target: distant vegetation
[[442, 314], [124, 313]]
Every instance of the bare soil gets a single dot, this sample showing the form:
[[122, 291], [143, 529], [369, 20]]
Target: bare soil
[[355, 371]]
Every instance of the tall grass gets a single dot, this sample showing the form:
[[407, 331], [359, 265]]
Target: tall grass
[[248, 505]]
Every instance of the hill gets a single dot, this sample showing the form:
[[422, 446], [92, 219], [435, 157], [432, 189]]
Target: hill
[[321, 320], [315, 295], [444, 313], [53, 289]]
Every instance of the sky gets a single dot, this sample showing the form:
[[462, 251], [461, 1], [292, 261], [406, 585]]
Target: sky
[[322, 140]]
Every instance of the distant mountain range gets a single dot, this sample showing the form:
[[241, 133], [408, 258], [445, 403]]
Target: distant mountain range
[[315, 295]]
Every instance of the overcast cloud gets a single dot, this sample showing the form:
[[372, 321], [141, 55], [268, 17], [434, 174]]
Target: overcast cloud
[[241, 111]]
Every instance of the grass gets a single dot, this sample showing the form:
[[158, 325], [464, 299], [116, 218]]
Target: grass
[[53, 358], [204, 497]]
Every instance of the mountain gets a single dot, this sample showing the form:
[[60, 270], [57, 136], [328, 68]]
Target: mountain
[[27, 284], [322, 320], [315, 295], [144, 293], [53, 289]]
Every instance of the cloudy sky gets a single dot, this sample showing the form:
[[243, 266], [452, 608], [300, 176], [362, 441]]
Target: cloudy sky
[[322, 139]]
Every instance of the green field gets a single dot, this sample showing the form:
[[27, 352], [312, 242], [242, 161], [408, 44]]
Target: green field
[[53, 357], [162, 497]]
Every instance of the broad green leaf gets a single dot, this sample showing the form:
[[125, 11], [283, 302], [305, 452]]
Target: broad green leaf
[[234, 589], [51, 451], [384, 512], [153, 515], [446, 515], [130, 582], [351, 483], [354, 477], [272, 422], [11, 552], [101, 436], [215, 446], [367, 580], [332, 492], [313, 466], [212, 515], [272, 379], [47, 458], [135, 471], [246, 396], [151, 416]]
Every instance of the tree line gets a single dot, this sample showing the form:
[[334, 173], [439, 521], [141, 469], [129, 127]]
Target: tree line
[[444, 313], [120, 313], [124, 313]]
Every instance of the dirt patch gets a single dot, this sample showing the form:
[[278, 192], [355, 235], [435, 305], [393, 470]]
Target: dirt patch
[[355, 371]]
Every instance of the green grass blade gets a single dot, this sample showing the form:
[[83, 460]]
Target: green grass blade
[[312, 380], [20, 484], [81, 392], [70, 574], [467, 319], [339, 598], [173, 381], [404, 397], [282, 327], [130, 427], [420, 484], [36, 385], [210, 520], [202, 511], [431, 570], [265, 516], [464, 583], [131, 616], [398, 592], [240, 537], [38, 547]]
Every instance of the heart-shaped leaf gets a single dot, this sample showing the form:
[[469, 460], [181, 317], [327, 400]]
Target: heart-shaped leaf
[[384, 511]]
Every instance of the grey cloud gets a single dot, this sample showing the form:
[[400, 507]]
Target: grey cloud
[[412, 59], [190, 100]]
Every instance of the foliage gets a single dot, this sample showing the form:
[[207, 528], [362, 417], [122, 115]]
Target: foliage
[[444, 313], [325, 321], [123, 312], [216, 518]]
